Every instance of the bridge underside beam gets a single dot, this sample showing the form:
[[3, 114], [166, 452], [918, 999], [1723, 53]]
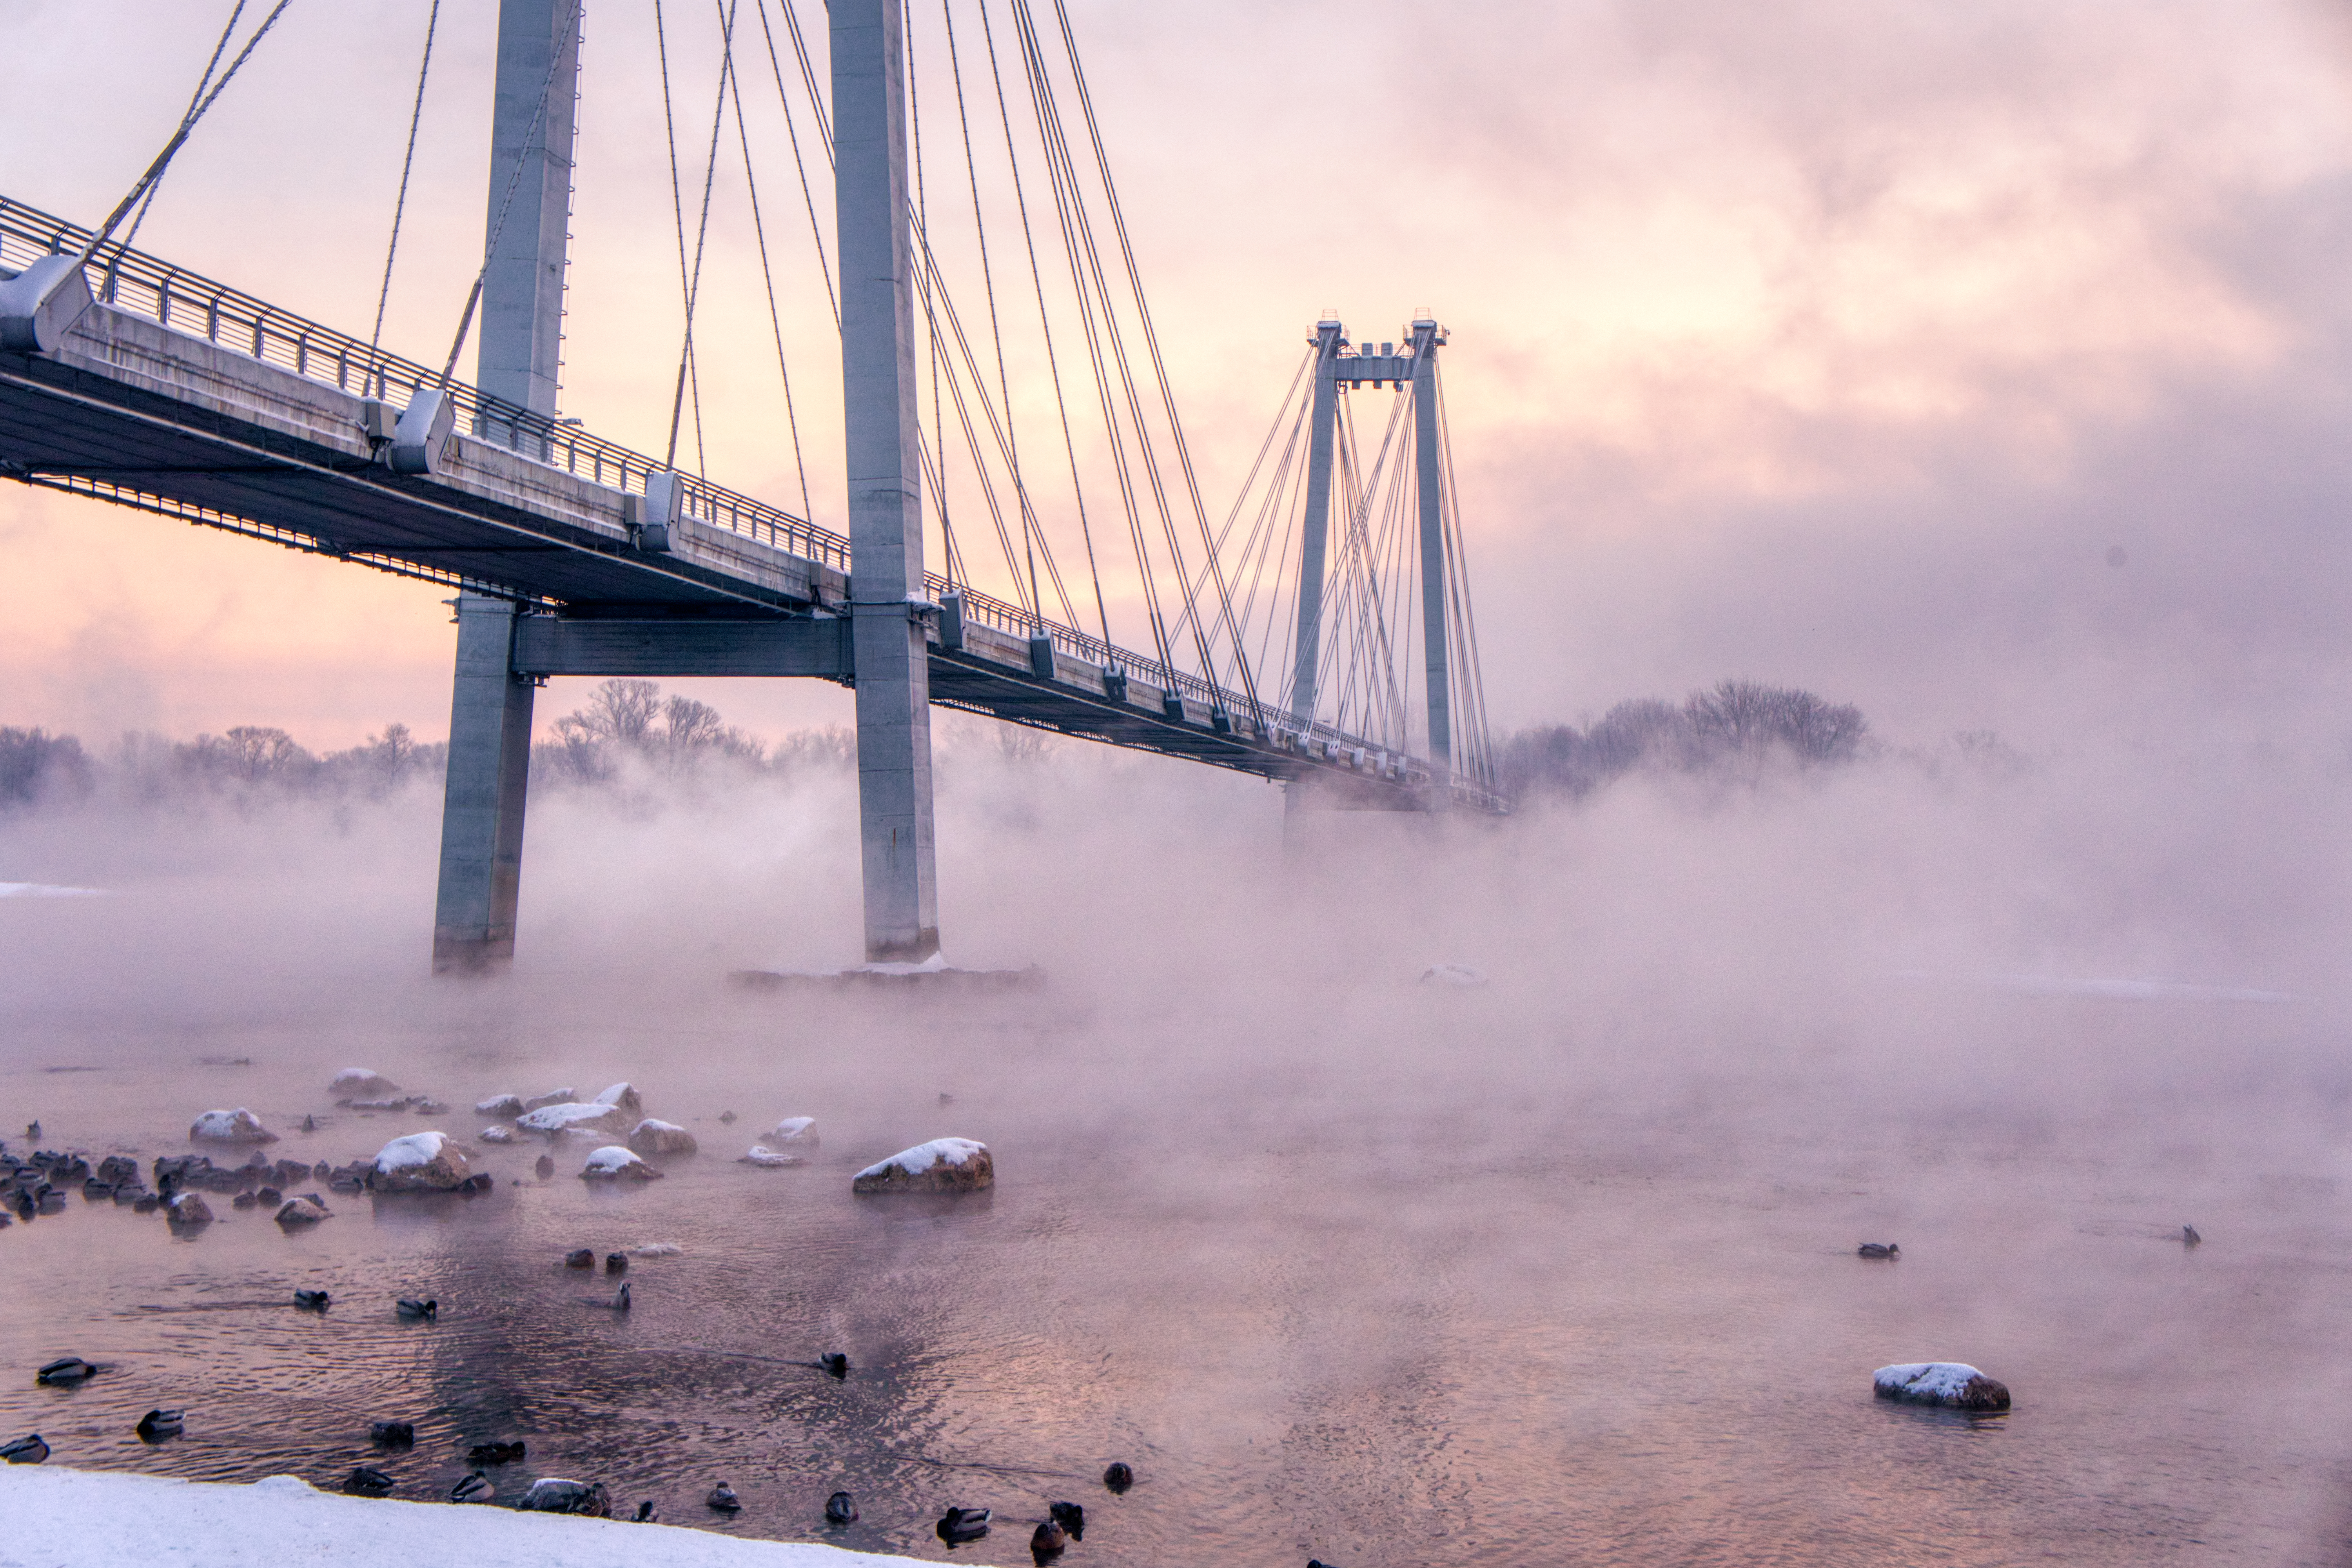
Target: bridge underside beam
[[552, 645]]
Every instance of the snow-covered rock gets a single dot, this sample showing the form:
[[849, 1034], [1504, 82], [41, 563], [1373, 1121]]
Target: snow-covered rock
[[238, 1126], [301, 1210], [651, 1137], [362, 1083], [188, 1209], [761, 1154], [656, 1250], [552, 1097], [625, 1095], [797, 1131], [614, 1163], [941, 1165], [420, 1163], [505, 1107], [553, 1494], [498, 1134], [553, 1121], [1951, 1382], [1453, 976]]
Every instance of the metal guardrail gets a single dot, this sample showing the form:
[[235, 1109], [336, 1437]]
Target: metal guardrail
[[189, 302]]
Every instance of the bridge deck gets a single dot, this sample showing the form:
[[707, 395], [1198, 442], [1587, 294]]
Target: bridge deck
[[179, 396]]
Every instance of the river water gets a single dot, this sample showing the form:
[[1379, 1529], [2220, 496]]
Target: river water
[[1377, 1274]]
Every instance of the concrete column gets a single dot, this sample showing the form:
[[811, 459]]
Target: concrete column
[[1429, 480], [1317, 528], [522, 289], [886, 501], [481, 815]]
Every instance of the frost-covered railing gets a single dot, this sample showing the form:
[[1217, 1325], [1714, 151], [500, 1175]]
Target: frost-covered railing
[[188, 302]]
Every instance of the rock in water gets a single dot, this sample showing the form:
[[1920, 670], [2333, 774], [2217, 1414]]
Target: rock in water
[[1948, 1383], [498, 1134], [1453, 976], [723, 1498], [298, 1212], [188, 1209], [553, 1121], [500, 1106], [614, 1163], [961, 1524], [391, 1434], [362, 1083], [26, 1450], [543, 1167], [365, 1482], [651, 1137], [1119, 1478], [238, 1126], [552, 1097], [761, 1154], [475, 1488], [1048, 1541], [420, 1163], [941, 1165], [553, 1494], [624, 1096], [1878, 1249], [726, 1118], [841, 1509], [800, 1131], [159, 1426]]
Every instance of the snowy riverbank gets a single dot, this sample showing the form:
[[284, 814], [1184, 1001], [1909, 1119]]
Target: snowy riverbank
[[88, 1519]]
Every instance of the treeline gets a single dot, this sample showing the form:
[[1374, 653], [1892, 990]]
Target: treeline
[[1735, 730]]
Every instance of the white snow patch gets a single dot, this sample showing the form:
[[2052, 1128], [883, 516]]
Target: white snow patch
[[1925, 1379], [416, 1149], [611, 1159], [761, 1154], [931, 965], [923, 1156], [44, 890], [59, 1518], [656, 1250], [498, 1134], [563, 1117], [616, 1093]]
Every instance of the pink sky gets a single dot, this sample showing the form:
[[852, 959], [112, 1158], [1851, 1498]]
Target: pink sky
[[1836, 343]]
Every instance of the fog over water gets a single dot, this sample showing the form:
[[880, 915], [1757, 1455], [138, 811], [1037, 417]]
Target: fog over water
[[1560, 1270]]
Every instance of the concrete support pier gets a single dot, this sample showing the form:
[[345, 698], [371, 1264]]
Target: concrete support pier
[[481, 815], [1429, 480], [886, 501]]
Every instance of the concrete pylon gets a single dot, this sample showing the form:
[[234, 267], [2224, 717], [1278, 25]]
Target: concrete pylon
[[481, 812], [886, 502], [1315, 530], [1429, 479], [530, 126]]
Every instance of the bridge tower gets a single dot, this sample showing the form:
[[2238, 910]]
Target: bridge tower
[[1335, 368], [521, 343]]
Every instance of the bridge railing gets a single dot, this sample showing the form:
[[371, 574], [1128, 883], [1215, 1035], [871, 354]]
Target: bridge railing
[[189, 302]]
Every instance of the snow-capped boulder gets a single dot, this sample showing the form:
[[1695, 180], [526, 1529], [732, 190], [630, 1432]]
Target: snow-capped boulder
[[420, 1163], [498, 1134], [238, 1126], [1948, 1383], [300, 1212], [553, 1494], [552, 1097], [761, 1154], [614, 1163], [503, 1106], [651, 1137], [362, 1083], [800, 1132], [553, 1121], [941, 1165], [625, 1097], [188, 1209]]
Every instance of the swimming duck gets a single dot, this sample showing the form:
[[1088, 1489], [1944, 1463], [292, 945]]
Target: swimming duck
[[1070, 1517], [410, 1307], [475, 1488], [495, 1453], [312, 1301], [616, 1263], [66, 1371], [621, 1299], [365, 1482], [579, 1257], [1046, 1543], [391, 1434], [2189, 1237], [840, 1508], [645, 1512], [958, 1525], [835, 1363], [1878, 1249], [723, 1498], [309, 1124], [1119, 1478], [32, 1130], [29, 1450], [158, 1424], [726, 1118]]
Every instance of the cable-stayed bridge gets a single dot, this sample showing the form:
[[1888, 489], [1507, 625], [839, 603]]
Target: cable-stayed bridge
[[127, 380]]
